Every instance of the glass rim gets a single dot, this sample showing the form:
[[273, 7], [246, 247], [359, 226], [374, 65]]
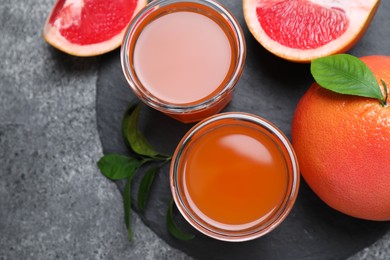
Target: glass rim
[[261, 228], [225, 15]]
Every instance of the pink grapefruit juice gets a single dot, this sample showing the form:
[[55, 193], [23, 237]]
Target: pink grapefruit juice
[[182, 57], [184, 60]]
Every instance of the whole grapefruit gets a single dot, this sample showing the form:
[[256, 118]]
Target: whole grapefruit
[[302, 30], [343, 147]]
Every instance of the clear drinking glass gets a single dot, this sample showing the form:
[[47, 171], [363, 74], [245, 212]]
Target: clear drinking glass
[[282, 181], [200, 108]]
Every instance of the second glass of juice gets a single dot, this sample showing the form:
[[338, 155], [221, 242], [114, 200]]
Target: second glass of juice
[[234, 176], [184, 58]]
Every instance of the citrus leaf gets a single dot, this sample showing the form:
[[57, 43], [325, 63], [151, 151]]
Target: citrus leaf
[[173, 229], [127, 207], [345, 74], [145, 185], [135, 138], [116, 166]]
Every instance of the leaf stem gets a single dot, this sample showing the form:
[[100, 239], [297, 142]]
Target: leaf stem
[[146, 160], [127, 207], [386, 95]]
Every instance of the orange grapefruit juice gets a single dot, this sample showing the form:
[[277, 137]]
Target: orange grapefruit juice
[[234, 176], [184, 58]]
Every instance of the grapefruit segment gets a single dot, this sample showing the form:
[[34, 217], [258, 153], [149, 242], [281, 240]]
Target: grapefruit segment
[[89, 27], [302, 30]]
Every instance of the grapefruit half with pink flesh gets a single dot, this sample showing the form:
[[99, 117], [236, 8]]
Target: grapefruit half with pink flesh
[[302, 30], [89, 27]]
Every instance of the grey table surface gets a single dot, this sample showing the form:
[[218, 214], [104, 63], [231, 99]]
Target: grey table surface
[[54, 202]]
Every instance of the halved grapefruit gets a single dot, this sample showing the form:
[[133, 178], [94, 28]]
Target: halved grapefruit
[[89, 27], [302, 30]]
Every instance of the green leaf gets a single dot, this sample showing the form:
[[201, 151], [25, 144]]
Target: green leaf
[[145, 185], [127, 207], [173, 229], [345, 74], [135, 138], [116, 167]]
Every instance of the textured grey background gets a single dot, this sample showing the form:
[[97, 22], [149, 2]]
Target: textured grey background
[[54, 203]]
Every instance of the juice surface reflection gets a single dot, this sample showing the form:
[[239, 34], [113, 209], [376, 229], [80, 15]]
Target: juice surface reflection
[[182, 57], [235, 176]]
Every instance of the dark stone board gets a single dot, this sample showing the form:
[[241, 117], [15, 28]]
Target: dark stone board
[[269, 87]]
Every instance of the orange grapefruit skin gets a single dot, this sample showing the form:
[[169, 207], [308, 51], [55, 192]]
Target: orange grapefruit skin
[[300, 15], [343, 147], [89, 27]]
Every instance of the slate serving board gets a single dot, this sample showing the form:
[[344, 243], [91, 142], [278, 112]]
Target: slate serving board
[[269, 87]]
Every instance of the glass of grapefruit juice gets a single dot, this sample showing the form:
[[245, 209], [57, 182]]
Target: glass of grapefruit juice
[[234, 176], [184, 58]]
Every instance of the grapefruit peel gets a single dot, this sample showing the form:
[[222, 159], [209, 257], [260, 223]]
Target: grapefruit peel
[[306, 17], [77, 15]]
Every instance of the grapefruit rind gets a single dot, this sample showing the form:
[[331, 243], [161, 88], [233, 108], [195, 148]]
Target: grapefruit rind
[[360, 14], [52, 36]]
